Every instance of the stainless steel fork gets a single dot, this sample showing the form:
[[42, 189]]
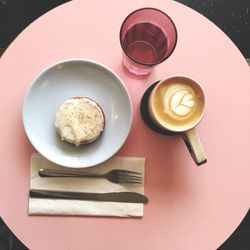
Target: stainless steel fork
[[115, 176]]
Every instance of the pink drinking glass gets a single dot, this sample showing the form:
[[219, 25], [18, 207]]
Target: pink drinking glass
[[148, 37]]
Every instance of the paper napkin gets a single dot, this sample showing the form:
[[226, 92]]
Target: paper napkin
[[39, 206]]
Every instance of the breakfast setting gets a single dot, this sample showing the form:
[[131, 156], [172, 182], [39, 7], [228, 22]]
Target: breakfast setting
[[126, 123], [80, 128]]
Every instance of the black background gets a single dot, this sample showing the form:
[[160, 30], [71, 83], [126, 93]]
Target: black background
[[232, 16]]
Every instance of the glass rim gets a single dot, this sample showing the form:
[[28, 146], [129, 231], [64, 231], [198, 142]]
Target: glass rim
[[155, 9]]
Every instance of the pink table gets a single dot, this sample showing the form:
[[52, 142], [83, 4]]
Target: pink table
[[190, 207]]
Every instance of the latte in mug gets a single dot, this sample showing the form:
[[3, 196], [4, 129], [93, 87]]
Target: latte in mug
[[177, 105]]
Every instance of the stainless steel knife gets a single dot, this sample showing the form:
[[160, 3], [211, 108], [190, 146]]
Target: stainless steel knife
[[130, 197]]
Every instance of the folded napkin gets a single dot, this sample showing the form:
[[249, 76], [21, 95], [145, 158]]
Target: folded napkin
[[39, 206]]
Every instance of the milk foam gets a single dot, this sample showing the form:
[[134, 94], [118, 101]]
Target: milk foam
[[179, 100]]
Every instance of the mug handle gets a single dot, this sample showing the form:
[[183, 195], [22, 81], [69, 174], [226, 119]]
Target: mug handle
[[194, 146]]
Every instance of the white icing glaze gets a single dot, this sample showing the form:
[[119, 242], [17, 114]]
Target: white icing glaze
[[79, 120]]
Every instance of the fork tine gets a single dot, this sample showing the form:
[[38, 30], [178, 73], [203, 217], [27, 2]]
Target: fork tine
[[130, 181], [128, 176], [128, 172]]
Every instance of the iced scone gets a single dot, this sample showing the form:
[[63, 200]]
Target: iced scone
[[79, 120]]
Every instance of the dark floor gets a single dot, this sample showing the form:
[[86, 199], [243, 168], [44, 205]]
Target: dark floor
[[232, 16], [15, 15]]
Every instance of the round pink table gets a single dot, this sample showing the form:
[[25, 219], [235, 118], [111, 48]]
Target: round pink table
[[190, 207]]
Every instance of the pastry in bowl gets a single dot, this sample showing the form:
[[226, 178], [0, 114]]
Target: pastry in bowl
[[80, 120]]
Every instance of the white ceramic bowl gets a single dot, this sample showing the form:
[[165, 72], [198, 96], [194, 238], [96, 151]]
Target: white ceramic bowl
[[66, 79]]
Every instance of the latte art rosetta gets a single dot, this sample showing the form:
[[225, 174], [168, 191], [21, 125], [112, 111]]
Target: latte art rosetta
[[179, 101], [177, 105]]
